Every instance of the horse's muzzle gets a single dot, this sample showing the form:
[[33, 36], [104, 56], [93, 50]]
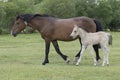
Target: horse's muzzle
[[14, 34]]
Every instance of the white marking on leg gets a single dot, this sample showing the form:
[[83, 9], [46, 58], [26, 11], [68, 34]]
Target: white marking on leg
[[75, 60], [92, 54], [83, 49], [68, 60], [104, 56]]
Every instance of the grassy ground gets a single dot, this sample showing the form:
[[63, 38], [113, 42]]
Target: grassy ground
[[21, 59]]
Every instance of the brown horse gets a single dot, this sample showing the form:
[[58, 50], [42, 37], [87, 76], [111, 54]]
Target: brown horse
[[53, 29]]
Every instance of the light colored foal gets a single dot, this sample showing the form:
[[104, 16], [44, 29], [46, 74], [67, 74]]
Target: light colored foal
[[90, 39]]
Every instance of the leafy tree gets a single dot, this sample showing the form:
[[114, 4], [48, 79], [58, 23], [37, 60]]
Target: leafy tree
[[59, 8], [38, 1], [11, 9], [108, 11], [2, 15], [85, 7], [104, 12], [115, 22]]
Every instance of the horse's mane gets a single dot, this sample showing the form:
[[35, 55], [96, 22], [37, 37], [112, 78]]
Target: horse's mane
[[43, 15], [28, 17]]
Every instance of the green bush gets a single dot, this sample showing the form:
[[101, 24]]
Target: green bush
[[107, 11], [59, 8], [0, 31]]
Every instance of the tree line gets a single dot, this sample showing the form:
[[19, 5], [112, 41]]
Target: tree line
[[107, 11]]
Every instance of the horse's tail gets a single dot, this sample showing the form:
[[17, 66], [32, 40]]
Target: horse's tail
[[110, 38], [98, 25]]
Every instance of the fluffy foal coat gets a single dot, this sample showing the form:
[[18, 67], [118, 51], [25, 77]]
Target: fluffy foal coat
[[90, 39]]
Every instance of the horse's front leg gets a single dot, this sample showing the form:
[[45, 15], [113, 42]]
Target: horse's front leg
[[56, 46], [47, 47]]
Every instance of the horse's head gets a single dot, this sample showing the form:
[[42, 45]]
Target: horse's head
[[18, 26], [74, 32], [21, 22]]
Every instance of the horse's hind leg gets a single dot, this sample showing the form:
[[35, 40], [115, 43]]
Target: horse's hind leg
[[96, 48], [56, 46]]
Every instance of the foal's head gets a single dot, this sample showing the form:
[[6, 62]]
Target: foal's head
[[75, 32]]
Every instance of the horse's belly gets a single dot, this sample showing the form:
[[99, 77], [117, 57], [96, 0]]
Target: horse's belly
[[63, 38]]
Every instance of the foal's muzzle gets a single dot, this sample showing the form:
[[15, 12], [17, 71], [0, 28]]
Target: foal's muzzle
[[71, 37]]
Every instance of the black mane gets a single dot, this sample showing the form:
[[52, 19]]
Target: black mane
[[28, 17]]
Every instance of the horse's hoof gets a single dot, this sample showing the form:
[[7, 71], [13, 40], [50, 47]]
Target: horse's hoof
[[98, 60], [68, 61], [45, 62]]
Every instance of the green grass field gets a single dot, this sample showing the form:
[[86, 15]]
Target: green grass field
[[21, 59]]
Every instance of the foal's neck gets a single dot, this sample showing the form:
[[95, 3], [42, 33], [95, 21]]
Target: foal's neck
[[83, 33]]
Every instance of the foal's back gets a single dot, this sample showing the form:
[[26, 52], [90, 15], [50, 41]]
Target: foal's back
[[97, 37]]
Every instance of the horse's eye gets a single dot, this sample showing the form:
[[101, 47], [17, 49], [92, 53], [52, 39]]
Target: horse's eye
[[17, 23]]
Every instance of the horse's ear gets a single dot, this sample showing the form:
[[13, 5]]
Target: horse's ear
[[19, 16], [76, 26]]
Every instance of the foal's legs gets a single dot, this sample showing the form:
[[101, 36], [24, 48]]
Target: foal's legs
[[78, 54], [47, 47], [96, 48], [56, 46], [83, 49], [92, 53], [105, 53]]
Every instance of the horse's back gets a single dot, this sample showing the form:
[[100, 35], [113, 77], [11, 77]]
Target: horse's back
[[64, 27], [84, 22]]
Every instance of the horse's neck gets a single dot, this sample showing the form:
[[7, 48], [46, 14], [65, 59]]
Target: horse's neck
[[39, 23], [82, 34]]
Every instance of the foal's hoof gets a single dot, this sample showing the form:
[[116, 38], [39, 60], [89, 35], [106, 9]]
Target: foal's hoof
[[107, 64], [95, 64], [77, 64], [75, 60]]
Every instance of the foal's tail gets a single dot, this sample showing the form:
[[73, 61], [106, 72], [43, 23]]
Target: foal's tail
[[110, 38]]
